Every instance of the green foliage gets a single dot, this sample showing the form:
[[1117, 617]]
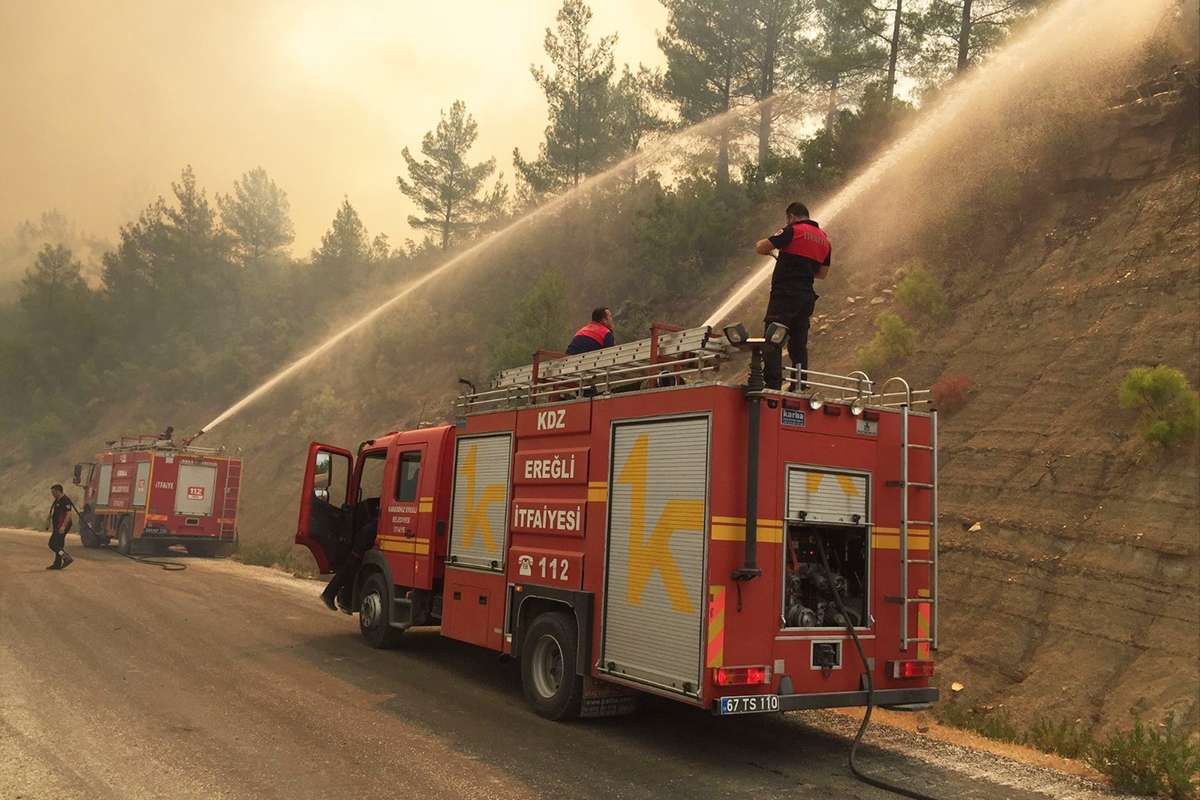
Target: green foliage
[[920, 293], [257, 217], [992, 723], [538, 322], [345, 245], [1061, 737], [582, 133], [1170, 409], [893, 342], [443, 185], [259, 554], [46, 435], [1147, 761], [21, 517]]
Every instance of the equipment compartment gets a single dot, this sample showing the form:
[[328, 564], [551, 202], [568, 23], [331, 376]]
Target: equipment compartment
[[808, 595]]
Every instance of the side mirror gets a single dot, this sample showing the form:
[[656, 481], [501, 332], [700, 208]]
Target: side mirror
[[323, 472], [78, 472]]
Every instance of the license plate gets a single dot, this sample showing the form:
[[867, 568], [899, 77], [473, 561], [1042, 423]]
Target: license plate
[[758, 704]]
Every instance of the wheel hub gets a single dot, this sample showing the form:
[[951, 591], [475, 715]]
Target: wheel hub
[[547, 666], [371, 610]]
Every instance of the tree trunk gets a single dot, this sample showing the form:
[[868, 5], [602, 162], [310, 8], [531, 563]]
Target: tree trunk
[[964, 36], [894, 55], [832, 110], [766, 90]]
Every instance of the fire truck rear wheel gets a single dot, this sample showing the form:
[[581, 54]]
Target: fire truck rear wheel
[[125, 536], [548, 669], [375, 614]]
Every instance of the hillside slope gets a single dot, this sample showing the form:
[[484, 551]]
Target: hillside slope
[[1080, 596]]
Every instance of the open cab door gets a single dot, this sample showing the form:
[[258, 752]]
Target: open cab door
[[83, 474], [326, 507]]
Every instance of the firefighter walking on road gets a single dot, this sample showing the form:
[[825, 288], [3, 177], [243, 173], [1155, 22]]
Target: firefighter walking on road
[[804, 252], [60, 524]]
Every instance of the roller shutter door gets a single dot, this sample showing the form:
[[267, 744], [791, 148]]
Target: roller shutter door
[[656, 553], [822, 496], [478, 529]]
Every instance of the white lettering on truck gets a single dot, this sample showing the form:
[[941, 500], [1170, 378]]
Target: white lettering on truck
[[554, 419], [557, 468], [545, 518]]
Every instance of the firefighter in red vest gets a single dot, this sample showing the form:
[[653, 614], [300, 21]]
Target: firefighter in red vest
[[804, 251], [596, 334]]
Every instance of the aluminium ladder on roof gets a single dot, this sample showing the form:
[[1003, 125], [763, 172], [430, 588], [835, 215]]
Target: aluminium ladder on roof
[[642, 352]]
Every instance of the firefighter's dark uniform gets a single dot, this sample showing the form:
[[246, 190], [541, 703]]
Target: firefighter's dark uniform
[[60, 525], [803, 250], [592, 336], [339, 587]]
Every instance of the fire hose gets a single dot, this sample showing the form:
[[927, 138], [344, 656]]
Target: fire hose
[[168, 566], [862, 728]]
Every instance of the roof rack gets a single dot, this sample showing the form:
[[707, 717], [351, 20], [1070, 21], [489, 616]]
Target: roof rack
[[670, 354], [150, 442]]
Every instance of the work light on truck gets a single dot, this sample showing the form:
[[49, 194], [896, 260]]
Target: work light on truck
[[777, 334], [911, 669], [815, 402], [736, 334], [856, 408], [742, 676]]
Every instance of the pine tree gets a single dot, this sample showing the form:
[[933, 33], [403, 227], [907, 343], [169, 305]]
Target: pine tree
[[708, 46], [957, 34], [636, 109], [776, 52], [52, 288], [582, 134], [444, 186], [257, 216], [845, 52], [345, 247]]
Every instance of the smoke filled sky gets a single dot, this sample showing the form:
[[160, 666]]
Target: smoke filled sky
[[102, 104]]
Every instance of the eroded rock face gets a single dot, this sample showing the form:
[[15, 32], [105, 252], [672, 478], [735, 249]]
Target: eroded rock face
[[1078, 596]]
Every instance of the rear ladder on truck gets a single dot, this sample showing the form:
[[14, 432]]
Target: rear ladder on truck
[[227, 520], [907, 485]]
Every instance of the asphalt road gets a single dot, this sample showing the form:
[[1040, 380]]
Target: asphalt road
[[119, 680]]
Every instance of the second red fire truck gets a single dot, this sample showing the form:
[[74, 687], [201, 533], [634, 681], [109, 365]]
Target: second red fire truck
[[625, 522], [146, 493]]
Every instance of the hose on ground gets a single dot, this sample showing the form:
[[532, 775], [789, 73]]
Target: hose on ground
[[169, 566], [862, 728]]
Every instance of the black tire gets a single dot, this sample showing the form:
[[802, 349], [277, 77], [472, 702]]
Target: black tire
[[548, 669], [87, 529], [375, 614], [125, 536]]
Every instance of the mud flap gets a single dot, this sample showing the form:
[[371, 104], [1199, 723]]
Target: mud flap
[[603, 699]]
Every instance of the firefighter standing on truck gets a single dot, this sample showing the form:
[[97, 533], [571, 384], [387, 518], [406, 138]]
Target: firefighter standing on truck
[[60, 524], [804, 252]]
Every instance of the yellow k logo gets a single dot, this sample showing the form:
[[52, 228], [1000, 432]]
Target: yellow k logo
[[475, 520], [647, 554]]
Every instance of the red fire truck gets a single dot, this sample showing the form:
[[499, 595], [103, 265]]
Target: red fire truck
[[625, 521], [149, 493]]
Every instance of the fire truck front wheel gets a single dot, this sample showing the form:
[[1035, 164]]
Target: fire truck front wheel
[[375, 614], [548, 673]]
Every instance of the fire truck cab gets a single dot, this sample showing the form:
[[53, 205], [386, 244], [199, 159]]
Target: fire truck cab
[[624, 521], [148, 493]]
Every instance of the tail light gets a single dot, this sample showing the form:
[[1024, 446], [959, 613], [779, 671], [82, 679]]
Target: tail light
[[911, 669], [742, 676]]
